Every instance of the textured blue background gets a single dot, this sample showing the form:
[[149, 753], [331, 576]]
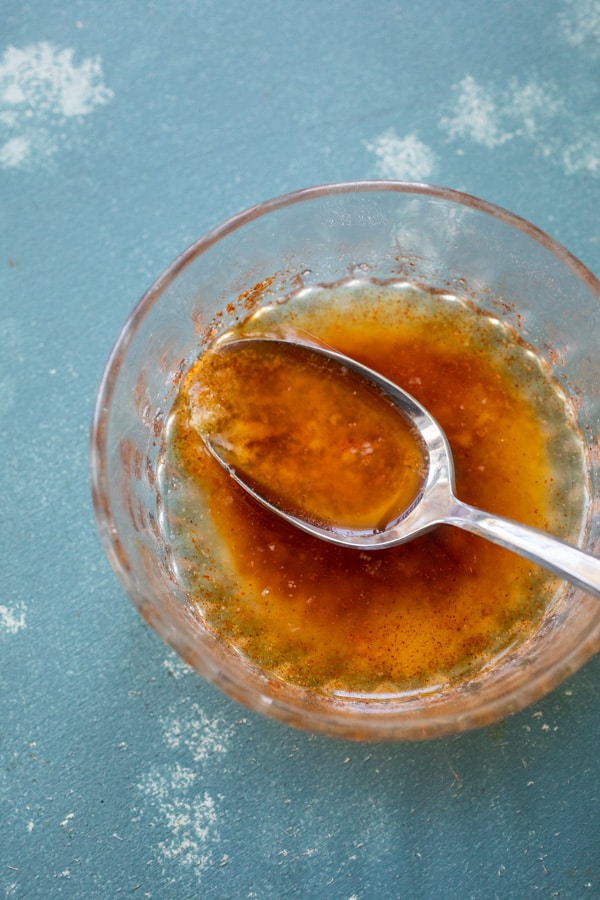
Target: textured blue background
[[126, 131]]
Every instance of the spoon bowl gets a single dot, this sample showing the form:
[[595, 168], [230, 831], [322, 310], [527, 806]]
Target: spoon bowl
[[435, 503]]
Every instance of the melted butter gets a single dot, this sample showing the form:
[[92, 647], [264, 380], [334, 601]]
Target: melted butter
[[438, 608], [307, 434]]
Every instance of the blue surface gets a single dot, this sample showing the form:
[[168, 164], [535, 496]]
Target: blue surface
[[126, 131]]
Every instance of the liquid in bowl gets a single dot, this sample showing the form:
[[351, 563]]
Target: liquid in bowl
[[436, 611]]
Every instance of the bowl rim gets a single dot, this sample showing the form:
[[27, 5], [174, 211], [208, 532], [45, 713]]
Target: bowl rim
[[258, 210]]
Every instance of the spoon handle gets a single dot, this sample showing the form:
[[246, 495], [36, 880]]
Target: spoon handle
[[576, 566]]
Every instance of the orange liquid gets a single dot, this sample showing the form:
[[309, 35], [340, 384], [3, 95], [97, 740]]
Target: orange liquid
[[435, 609]]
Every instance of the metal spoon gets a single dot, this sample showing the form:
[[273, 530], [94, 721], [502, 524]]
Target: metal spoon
[[435, 504]]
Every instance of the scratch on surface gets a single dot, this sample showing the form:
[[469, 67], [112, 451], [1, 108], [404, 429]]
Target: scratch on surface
[[456, 779], [11, 354]]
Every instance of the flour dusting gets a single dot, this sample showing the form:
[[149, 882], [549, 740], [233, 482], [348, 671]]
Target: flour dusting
[[200, 735], [492, 117], [188, 816], [14, 152], [176, 667], [474, 116], [579, 24], [12, 620], [406, 158], [582, 156], [44, 94], [531, 109], [178, 807], [531, 113]]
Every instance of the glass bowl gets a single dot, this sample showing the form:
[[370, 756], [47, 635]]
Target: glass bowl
[[388, 230]]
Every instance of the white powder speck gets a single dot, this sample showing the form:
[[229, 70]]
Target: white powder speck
[[582, 156], [579, 24], [530, 108], [190, 818], [44, 94], [475, 116], [14, 152], [406, 158], [531, 113], [198, 733], [173, 800], [8, 118], [12, 620], [176, 667]]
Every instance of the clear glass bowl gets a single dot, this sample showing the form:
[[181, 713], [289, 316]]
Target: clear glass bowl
[[424, 234]]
